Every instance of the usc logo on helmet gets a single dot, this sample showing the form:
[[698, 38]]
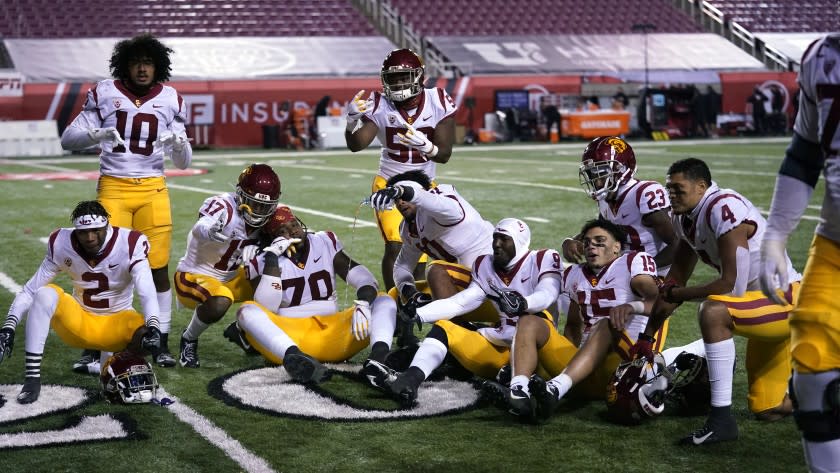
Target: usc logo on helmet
[[617, 143]]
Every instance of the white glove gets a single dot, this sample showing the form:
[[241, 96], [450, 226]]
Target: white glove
[[356, 108], [361, 320], [282, 245], [774, 273], [171, 142], [106, 135], [418, 140], [216, 232], [249, 252]]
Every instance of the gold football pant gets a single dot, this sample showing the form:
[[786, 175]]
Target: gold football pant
[[193, 289]]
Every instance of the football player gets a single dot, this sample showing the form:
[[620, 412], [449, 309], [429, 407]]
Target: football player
[[294, 319], [105, 265], [438, 222], [611, 294], [815, 320], [209, 277], [515, 278], [416, 127], [724, 229], [137, 122]]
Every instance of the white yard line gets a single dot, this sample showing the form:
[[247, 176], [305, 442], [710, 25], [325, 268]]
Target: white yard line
[[9, 284]]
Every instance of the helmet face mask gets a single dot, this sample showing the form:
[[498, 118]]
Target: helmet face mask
[[402, 75], [258, 192], [127, 378], [638, 390], [607, 163]]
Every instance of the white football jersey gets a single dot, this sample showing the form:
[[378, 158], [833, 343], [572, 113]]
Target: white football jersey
[[522, 277], [211, 258], [635, 200], [103, 285], [819, 82], [140, 121], [446, 227], [596, 293], [435, 105], [309, 287], [719, 212]]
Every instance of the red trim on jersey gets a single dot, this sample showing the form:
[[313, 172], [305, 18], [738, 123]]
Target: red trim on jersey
[[507, 276], [630, 257], [96, 102], [376, 98], [182, 280], [441, 97], [540, 254], [133, 236], [417, 111], [616, 204], [153, 92], [712, 204], [645, 185], [103, 253], [477, 262], [334, 240], [180, 103], [589, 275], [229, 210], [51, 243], [463, 213]]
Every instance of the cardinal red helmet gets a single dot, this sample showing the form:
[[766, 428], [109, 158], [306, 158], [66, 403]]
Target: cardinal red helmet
[[279, 222], [608, 161], [637, 390], [127, 378], [403, 74], [258, 192]]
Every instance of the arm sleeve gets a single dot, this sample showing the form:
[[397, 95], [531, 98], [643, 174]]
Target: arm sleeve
[[444, 309], [75, 136], [141, 274], [545, 294], [23, 300], [183, 157], [202, 227], [404, 266]]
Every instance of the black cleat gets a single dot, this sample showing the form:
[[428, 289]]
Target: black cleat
[[495, 393], [404, 391], [189, 353], [378, 375], [305, 369], [236, 336], [88, 357], [546, 395], [165, 359], [713, 432], [30, 391], [522, 405]]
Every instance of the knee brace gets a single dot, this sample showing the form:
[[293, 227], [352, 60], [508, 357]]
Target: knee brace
[[818, 425]]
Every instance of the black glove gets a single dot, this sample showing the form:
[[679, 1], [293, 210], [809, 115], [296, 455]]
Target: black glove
[[7, 342], [408, 311], [151, 340], [509, 301], [384, 199]]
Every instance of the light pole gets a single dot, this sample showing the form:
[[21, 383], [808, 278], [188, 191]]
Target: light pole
[[644, 28]]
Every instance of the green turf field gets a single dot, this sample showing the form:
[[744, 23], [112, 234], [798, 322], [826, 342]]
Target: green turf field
[[203, 432]]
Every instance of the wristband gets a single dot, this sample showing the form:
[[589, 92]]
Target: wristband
[[645, 337], [637, 306]]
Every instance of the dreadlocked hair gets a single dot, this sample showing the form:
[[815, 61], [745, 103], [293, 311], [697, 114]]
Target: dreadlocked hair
[[89, 207], [140, 46]]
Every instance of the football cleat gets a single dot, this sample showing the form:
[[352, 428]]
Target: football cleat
[[546, 394], [88, 357], [713, 432], [378, 375], [189, 353], [495, 393], [305, 369], [504, 375], [165, 359], [7, 343], [30, 391], [236, 336], [404, 391], [522, 405]]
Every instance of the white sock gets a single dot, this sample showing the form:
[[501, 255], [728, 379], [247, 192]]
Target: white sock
[[520, 382], [38, 321], [697, 347], [563, 383], [195, 328], [165, 317], [383, 320], [721, 359], [256, 323], [429, 356]]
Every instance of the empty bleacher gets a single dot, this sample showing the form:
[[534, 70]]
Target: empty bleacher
[[781, 16], [500, 17], [180, 18]]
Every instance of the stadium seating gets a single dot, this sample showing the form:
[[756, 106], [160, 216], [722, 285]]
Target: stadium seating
[[485, 17], [781, 16], [195, 18]]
